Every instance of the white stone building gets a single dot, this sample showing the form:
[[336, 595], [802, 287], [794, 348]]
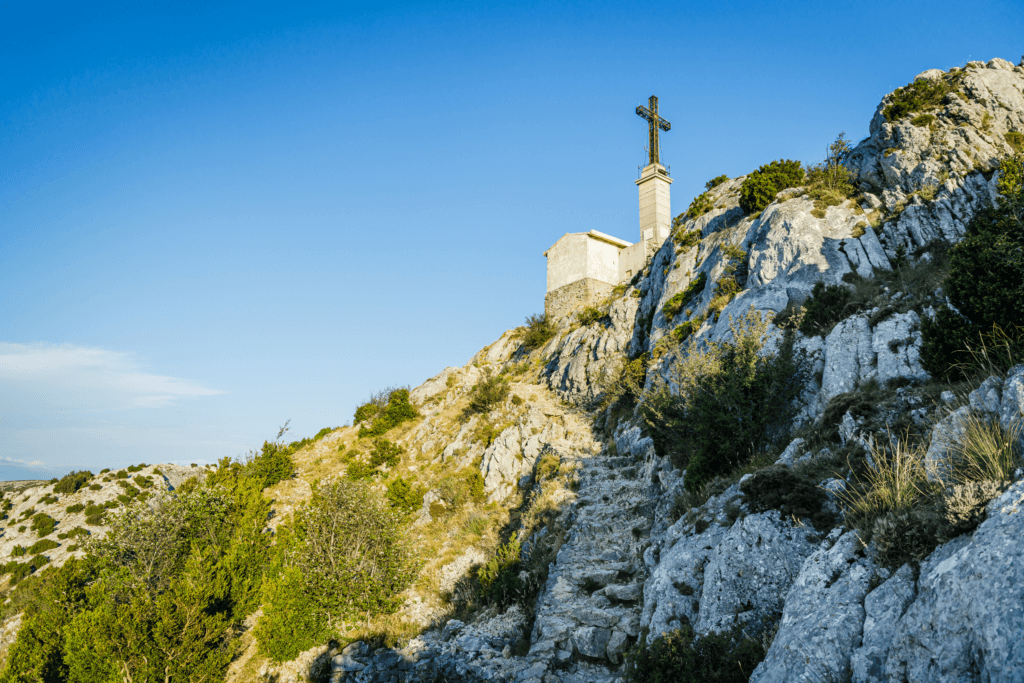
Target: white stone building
[[584, 267]]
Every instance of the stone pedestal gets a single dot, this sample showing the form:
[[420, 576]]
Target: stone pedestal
[[655, 207]]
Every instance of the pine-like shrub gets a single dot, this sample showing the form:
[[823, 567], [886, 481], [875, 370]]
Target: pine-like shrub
[[921, 95], [539, 329], [724, 402], [397, 411], [761, 186], [681, 656], [985, 283], [488, 394], [680, 300], [70, 483]]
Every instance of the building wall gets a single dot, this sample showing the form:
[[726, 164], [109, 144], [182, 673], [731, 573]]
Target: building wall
[[633, 259], [655, 205], [578, 256], [571, 297]]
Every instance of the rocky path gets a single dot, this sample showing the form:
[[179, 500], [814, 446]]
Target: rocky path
[[588, 612]]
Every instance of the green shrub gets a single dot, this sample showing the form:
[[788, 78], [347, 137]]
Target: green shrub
[[42, 546], [921, 95], [323, 432], [77, 507], [95, 487], [499, 577], [700, 205], [827, 305], [779, 488], [539, 329], [43, 524], [687, 240], [70, 483], [1016, 140], [18, 551], [345, 555], [465, 486], [273, 464], [724, 402], [404, 496], [487, 394], [829, 183], [358, 470], [680, 300], [680, 656], [922, 120], [590, 315], [761, 186], [385, 453], [985, 282], [292, 621], [397, 411], [715, 182]]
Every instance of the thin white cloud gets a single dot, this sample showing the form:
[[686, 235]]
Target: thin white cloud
[[110, 378]]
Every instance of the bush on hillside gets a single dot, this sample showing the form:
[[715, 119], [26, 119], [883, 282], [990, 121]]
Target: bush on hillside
[[921, 95], [681, 656], [715, 182], [827, 305], [343, 556], [385, 453], [700, 205], [397, 411], [985, 283], [830, 182], [687, 240], [590, 315], [539, 329], [70, 483], [724, 401], [761, 186], [271, 465], [488, 394], [404, 496], [680, 300], [43, 524]]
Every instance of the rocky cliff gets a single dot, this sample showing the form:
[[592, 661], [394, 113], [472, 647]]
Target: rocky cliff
[[627, 552]]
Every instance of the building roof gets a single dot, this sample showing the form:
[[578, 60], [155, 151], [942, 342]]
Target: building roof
[[594, 234]]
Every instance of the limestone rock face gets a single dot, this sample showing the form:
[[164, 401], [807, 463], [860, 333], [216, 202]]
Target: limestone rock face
[[581, 360], [967, 619], [824, 612]]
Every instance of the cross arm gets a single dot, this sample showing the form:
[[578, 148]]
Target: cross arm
[[663, 124], [644, 113]]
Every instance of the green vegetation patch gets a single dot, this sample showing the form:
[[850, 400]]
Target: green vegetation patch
[[43, 524], [590, 315], [395, 412], [985, 284], [343, 556], [538, 330], [724, 402], [700, 205], [487, 394], [680, 300], [681, 656], [919, 96], [780, 488], [761, 186], [70, 483], [715, 182]]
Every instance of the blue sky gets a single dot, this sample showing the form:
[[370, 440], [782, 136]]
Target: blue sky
[[215, 217]]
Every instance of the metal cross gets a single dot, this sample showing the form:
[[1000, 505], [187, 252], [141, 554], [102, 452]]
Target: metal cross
[[654, 122]]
